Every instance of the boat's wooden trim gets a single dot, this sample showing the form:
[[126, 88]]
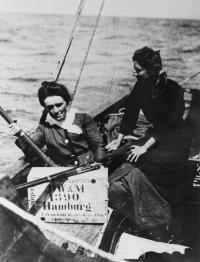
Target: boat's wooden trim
[[110, 107], [87, 232]]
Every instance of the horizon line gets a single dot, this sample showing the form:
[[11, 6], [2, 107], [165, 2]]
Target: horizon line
[[104, 15]]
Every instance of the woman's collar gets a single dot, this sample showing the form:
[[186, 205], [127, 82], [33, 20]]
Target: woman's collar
[[69, 119], [160, 84], [68, 123]]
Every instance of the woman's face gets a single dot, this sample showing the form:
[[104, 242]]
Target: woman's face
[[56, 107], [140, 73]]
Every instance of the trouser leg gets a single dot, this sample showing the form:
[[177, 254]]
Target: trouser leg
[[136, 198], [120, 198]]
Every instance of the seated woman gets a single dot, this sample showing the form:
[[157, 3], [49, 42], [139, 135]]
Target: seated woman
[[69, 136], [156, 174]]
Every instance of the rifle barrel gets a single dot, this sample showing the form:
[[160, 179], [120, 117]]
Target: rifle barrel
[[194, 160], [65, 173]]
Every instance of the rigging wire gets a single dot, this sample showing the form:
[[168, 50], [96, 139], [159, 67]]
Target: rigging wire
[[111, 82], [87, 51], [70, 39], [189, 78], [110, 71]]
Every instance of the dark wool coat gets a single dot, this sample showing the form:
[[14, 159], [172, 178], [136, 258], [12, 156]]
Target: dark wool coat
[[162, 104], [165, 163], [62, 145]]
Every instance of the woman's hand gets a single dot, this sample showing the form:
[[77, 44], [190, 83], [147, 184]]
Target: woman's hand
[[85, 158], [136, 152], [198, 166], [113, 145], [14, 128]]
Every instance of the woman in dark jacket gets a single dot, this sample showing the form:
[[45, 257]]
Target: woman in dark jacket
[[70, 136], [156, 175]]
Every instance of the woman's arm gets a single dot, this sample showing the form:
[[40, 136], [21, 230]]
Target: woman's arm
[[37, 137], [93, 135], [131, 113], [129, 119]]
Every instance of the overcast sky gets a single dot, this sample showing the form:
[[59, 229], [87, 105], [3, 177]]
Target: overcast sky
[[144, 8]]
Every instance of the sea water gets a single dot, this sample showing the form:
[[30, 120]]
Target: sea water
[[32, 47]]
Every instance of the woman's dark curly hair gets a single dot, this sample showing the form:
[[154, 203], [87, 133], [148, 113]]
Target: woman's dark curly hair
[[148, 58], [53, 89]]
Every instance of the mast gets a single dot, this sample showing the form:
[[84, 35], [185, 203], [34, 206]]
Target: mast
[[70, 39]]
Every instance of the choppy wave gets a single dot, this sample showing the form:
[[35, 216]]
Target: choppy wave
[[15, 94], [105, 54], [45, 54], [189, 24], [195, 49], [185, 24], [5, 40], [112, 37], [24, 79], [173, 59]]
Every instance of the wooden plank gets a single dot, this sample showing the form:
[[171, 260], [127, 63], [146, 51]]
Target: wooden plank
[[81, 199], [86, 232], [109, 107]]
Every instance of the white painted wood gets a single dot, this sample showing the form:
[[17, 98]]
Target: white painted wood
[[132, 247], [82, 198]]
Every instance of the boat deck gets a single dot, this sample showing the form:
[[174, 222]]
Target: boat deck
[[90, 233]]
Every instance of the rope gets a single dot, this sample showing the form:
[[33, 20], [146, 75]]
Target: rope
[[44, 226], [189, 78], [87, 51], [111, 82], [110, 74], [70, 39]]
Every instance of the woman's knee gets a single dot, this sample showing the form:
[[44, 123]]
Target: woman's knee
[[117, 194]]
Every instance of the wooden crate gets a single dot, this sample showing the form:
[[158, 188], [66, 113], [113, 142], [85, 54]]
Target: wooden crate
[[81, 199]]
